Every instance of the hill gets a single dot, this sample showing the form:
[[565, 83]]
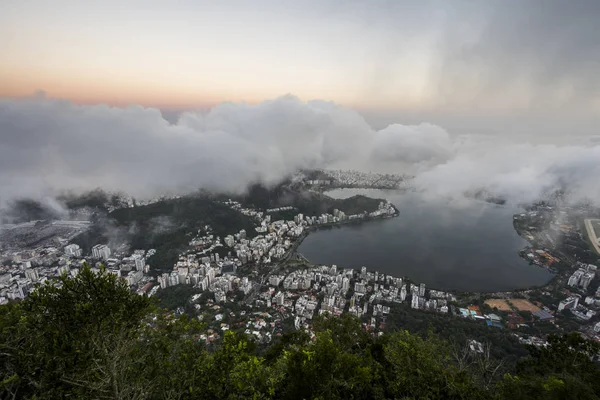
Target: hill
[[305, 201], [164, 226]]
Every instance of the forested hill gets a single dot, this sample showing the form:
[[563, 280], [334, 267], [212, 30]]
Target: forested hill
[[305, 201], [89, 337]]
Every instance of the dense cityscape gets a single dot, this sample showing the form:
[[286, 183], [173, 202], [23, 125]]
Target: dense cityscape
[[258, 283]]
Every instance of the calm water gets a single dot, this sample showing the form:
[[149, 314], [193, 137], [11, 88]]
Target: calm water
[[467, 245]]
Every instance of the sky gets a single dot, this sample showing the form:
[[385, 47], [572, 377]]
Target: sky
[[153, 96], [408, 58]]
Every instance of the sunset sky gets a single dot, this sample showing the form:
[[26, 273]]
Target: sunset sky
[[445, 57]]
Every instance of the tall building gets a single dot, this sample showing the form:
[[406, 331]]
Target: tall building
[[73, 250], [359, 287], [274, 280], [568, 303], [279, 298], [403, 292], [163, 280], [345, 284], [32, 275], [229, 241], [586, 279], [64, 270], [140, 263], [415, 302], [134, 277], [363, 272], [101, 251], [174, 279], [574, 279]]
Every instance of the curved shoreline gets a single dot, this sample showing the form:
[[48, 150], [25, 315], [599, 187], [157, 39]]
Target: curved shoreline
[[294, 253]]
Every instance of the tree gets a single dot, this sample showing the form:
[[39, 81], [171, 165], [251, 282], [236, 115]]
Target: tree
[[422, 368], [63, 328], [562, 370]]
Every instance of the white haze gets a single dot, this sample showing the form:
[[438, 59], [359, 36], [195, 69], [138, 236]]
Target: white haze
[[48, 146]]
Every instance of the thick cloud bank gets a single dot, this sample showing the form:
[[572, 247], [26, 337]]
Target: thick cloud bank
[[47, 146], [518, 172]]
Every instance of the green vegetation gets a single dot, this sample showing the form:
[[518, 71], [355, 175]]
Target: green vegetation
[[186, 213], [306, 202], [173, 297], [90, 337], [457, 331]]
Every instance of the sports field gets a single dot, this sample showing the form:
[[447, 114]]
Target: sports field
[[524, 305], [519, 304], [500, 304]]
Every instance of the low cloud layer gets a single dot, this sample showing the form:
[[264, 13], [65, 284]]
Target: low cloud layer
[[517, 172], [47, 146]]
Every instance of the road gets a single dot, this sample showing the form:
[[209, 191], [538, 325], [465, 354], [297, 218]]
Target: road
[[592, 234]]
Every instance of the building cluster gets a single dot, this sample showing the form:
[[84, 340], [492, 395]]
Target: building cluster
[[28, 267], [556, 229], [23, 269], [584, 313], [359, 179], [264, 248], [580, 280], [203, 267], [548, 227], [583, 276], [101, 251], [275, 238], [302, 294]]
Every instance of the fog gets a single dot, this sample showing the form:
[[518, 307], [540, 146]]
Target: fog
[[48, 146]]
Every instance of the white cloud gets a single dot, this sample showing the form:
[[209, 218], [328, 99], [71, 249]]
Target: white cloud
[[51, 145], [517, 172]]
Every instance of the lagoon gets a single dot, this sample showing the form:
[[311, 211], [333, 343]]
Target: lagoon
[[465, 245]]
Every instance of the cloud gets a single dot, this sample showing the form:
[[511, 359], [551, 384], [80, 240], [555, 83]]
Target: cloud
[[517, 172], [48, 146], [412, 144], [534, 55]]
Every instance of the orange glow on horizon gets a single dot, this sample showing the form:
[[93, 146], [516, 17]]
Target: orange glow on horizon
[[126, 88]]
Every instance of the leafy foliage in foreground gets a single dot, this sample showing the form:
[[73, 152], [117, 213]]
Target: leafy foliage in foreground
[[90, 337]]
